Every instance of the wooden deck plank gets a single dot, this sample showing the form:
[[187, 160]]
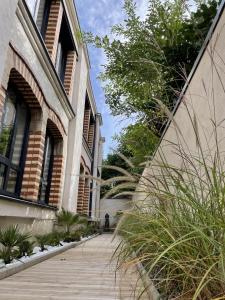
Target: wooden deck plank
[[83, 273]]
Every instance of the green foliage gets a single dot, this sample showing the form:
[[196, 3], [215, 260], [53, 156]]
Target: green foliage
[[11, 238], [6, 255], [72, 237], [54, 238], [4, 140], [139, 141], [67, 219], [177, 228], [25, 248], [91, 229], [42, 241], [150, 59]]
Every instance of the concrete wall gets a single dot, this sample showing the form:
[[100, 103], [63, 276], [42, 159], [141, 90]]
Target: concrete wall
[[112, 206], [202, 104], [7, 27], [75, 135]]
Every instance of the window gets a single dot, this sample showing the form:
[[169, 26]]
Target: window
[[32, 4], [40, 10], [61, 60], [45, 183], [13, 142], [65, 45]]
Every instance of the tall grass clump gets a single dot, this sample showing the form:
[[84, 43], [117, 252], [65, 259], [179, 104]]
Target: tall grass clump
[[176, 227]]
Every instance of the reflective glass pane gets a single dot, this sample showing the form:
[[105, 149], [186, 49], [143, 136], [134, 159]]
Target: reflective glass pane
[[11, 185], [40, 14], [2, 175], [7, 124], [32, 6], [20, 129], [45, 180]]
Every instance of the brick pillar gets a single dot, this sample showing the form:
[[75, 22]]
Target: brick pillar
[[69, 72], [34, 158], [56, 181], [53, 28], [2, 101], [86, 197], [87, 115], [91, 136], [80, 197]]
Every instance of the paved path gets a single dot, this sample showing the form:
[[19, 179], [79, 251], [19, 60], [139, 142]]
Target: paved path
[[82, 273]]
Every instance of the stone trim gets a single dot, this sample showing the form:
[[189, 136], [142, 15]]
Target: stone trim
[[53, 28]]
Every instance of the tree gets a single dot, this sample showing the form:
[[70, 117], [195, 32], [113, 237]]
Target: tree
[[139, 142], [150, 59]]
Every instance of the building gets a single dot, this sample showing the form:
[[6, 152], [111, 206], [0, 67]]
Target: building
[[50, 140]]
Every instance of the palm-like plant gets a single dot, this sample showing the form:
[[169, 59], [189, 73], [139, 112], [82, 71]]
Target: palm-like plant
[[11, 237], [68, 219]]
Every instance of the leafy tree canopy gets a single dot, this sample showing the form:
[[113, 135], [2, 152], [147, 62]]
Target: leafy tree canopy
[[149, 59]]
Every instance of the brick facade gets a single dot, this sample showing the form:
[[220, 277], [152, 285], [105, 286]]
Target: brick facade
[[80, 195], [91, 136], [56, 183], [34, 158], [53, 28], [86, 124], [83, 190], [86, 197], [42, 117], [69, 73]]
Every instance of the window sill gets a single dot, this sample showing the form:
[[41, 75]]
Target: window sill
[[27, 202]]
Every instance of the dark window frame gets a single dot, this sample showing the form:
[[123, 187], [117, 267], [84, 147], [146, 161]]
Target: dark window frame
[[50, 171], [45, 19], [67, 45], [7, 161]]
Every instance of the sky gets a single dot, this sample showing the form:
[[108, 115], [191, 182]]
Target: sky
[[98, 16]]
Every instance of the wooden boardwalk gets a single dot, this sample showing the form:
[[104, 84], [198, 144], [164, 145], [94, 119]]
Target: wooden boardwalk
[[82, 273]]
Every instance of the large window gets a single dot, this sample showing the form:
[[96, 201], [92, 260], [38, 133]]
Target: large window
[[46, 175], [65, 45], [13, 142]]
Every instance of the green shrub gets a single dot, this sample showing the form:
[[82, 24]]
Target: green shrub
[[42, 241], [7, 255], [11, 238], [26, 248], [67, 219], [72, 237], [54, 238]]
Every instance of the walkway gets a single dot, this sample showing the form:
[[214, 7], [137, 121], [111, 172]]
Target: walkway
[[81, 273]]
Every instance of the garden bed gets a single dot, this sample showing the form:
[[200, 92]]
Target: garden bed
[[26, 262]]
